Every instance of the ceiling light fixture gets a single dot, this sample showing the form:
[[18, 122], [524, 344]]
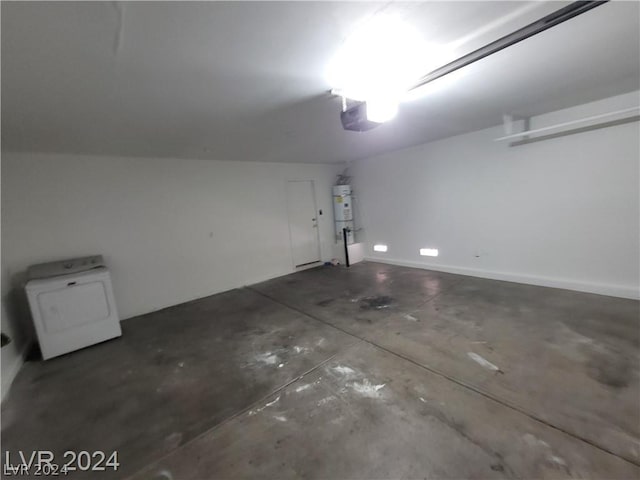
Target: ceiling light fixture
[[381, 110], [377, 64]]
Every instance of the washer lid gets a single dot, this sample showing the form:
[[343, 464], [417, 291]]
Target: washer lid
[[64, 267]]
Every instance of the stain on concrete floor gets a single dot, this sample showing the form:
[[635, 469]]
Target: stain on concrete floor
[[370, 414], [172, 375], [377, 302], [551, 345], [239, 384]]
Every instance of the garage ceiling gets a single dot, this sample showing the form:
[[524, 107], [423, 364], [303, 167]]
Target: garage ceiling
[[246, 80]]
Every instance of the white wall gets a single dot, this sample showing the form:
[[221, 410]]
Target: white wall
[[171, 230], [561, 212]]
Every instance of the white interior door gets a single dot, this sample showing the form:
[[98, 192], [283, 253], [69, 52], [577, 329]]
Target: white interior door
[[303, 222]]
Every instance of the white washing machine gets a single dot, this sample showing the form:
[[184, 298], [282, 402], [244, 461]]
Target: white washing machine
[[72, 304]]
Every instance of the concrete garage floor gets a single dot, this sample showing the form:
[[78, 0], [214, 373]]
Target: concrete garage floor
[[375, 371]]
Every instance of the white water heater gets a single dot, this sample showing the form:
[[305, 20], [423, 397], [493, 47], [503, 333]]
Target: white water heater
[[343, 212]]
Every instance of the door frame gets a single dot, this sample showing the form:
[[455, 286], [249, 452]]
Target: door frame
[[317, 217]]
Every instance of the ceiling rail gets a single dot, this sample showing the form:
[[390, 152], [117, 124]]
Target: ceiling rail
[[559, 16]]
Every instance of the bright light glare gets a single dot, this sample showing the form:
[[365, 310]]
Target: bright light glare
[[379, 62], [379, 248], [429, 252], [380, 58], [381, 110]]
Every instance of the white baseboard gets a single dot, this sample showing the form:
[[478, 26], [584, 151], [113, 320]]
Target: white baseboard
[[598, 288]]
